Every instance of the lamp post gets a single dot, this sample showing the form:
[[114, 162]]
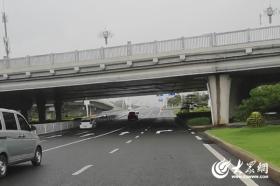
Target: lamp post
[[106, 34]]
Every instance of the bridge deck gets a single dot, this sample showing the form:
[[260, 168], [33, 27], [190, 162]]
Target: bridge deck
[[141, 49]]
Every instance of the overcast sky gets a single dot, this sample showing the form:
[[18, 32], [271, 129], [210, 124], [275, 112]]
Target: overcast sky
[[49, 26]]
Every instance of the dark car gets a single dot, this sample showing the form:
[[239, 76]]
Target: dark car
[[132, 116]]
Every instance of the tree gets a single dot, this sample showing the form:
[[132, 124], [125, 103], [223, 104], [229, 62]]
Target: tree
[[262, 99], [174, 101], [196, 102]]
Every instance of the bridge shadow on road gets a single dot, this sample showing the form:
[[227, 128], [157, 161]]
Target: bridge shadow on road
[[151, 123]]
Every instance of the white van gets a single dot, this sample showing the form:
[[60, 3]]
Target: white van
[[18, 141]]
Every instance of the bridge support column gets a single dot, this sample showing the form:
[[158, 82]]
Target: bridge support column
[[219, 90], [41, 106], [58, 109], [25, 108]]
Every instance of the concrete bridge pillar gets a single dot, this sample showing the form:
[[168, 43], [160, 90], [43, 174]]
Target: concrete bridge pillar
[[41, 106], [219, 89], [25, 108], [58, 109]]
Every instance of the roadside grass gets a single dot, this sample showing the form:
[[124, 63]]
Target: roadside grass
[[263, 142]]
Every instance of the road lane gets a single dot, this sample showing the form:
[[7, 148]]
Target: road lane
[[169, 158]]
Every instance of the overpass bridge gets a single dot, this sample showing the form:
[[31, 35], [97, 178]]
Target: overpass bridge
[[226, 64]]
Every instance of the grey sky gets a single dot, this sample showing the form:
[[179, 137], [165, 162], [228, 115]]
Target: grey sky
[[50, 26]]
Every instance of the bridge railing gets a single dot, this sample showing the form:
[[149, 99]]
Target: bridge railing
[[150, 48]]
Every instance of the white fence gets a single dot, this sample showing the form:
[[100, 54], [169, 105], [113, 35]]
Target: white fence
[[56, 126], [184, 43]]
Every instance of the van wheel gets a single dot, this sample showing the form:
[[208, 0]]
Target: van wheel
[[3, 166], [37, 157]]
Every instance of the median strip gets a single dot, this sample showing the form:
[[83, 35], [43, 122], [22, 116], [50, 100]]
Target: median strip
[[81, 170]]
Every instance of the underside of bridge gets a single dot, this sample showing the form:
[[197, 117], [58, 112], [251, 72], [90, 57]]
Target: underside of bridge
[[226, 91]]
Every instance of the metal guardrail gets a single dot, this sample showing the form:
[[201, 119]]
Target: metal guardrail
[[150, 48], [56, 126]]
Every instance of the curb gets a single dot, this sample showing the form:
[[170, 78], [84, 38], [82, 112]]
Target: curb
[[201, 128], [273, 172]]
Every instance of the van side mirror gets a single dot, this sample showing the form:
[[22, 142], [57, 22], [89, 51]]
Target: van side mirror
[[32, 128]]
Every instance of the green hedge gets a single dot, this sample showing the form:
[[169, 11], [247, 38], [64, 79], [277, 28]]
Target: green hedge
[[199, 121], [183, 115]]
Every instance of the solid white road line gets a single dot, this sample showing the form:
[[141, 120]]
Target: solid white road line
[[137, 137], [81, 133], [54, 136], [81, 170], [79, 141], [246, 181], [113, 151], [198, 138], [129, 141], [192, 132], [160, 131], [85, 135], [123, 133]]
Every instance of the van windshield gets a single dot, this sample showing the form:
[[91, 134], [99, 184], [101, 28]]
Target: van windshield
[[85, 120]]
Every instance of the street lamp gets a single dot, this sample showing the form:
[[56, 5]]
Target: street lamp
[[106, 34]]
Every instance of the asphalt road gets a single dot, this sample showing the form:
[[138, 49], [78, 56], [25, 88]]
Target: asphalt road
[[152, 151]]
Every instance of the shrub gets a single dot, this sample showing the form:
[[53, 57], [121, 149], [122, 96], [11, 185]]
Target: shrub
[[199, 121], [255, 120], [263, 99]]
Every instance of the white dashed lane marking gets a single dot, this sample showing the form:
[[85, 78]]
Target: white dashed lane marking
[[85, 135], [113, 151], [81, 170], [82, 140], [81, 133], [192, 132], [136, 137], [161, 131], [198, 138], [129, 141], [54, 136], [123, 133]]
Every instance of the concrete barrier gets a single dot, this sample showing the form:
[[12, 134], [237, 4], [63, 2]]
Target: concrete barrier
[[56, 126]]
